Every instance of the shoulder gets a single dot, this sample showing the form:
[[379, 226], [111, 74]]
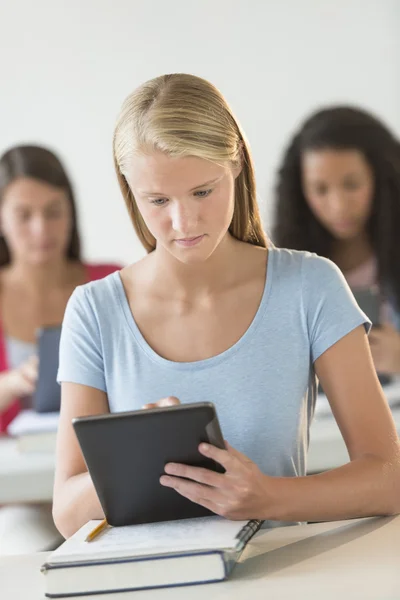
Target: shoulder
[[99, 297], [304, 267], [98, 271]]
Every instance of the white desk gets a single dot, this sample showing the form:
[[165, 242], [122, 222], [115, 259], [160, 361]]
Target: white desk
[[347, 559], [24, 477]]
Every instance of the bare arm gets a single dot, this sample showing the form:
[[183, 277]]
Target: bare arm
[[75, 500], [6, 395], [370, 483], [18, 382]]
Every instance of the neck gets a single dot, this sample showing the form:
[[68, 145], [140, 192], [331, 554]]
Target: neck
[[40, 277], [196, 280], [350, 254]]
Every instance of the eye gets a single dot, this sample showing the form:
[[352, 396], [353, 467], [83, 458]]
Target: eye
[[203, 193], [320, 190], [23, 216], [351, 185], [54, 213], [159, 201]]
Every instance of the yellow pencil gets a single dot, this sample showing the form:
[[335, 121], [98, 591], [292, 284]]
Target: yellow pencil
[[98, 529]]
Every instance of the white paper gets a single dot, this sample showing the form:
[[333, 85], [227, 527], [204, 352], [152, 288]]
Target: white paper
[[29, 421], [151, 539]]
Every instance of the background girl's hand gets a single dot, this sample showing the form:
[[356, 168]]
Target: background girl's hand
[[169, 401], [242, 492], [21, 381], [385, 348]]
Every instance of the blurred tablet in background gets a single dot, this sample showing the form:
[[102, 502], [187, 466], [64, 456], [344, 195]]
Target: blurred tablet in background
[[47, 396], [370, 302]]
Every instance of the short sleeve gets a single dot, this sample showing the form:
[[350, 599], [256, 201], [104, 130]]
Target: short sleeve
[[81, 357], [330, 308]]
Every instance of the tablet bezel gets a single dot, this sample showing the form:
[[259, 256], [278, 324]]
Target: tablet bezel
[[130, 494]]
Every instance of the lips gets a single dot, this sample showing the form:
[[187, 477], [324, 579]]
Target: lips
[[344, 225], [44, 247], [189, 241]]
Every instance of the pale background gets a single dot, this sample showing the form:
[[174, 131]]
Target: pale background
[[67, 65]]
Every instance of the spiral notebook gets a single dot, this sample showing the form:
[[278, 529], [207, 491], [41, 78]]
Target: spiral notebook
[[137, 557]]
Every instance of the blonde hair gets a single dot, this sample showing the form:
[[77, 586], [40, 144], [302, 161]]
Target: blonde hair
[[184, 115]]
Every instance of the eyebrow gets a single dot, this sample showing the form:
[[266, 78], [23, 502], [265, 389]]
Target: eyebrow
[[50, 204], [348, 175], [191, 190]]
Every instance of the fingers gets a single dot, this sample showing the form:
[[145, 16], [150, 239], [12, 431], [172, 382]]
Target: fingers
[[223, 457], [29, 370], [169, 401], [226, 457], [25, 386], [164, 402], [196, 492], [205, 476], [241, 457]]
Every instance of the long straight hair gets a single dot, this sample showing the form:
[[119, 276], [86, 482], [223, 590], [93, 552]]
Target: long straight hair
[[184, 115], [41, 164]]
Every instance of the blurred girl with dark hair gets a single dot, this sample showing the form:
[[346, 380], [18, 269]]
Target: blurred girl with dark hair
[[40, 266], [338, 195]]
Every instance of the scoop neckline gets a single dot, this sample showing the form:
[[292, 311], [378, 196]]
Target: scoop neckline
[[206, 362]]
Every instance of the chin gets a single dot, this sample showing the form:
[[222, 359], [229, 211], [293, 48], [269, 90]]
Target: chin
[[344, 236], [192, 256], [41, 259], [191, 259]]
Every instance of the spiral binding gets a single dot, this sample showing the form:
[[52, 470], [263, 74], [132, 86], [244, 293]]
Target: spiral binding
[[247, 532]]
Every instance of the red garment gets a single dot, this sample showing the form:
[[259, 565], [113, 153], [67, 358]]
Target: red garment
[[93, 272]]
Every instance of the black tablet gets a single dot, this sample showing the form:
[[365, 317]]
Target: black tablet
[[47, 396], [369, 300], [126, 453]]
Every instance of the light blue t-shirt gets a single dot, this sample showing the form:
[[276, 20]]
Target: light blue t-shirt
[[263, 387]]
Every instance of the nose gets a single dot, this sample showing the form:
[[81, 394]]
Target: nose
[[39, 226], [338, 204], [184, 218]]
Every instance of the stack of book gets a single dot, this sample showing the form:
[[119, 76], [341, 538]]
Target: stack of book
[[137, 557]]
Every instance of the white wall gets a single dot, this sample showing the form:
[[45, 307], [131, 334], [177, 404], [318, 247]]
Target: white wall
[[67, 65]]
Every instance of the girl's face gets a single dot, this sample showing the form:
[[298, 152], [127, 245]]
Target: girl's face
[[187, 203], [36, 221], [338, 186]]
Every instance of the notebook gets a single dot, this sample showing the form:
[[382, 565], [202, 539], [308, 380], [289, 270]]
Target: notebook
[[35, 432], [137, 557]]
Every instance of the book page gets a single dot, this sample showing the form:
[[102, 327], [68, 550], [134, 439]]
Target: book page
[[28, 421], [206, 533]]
